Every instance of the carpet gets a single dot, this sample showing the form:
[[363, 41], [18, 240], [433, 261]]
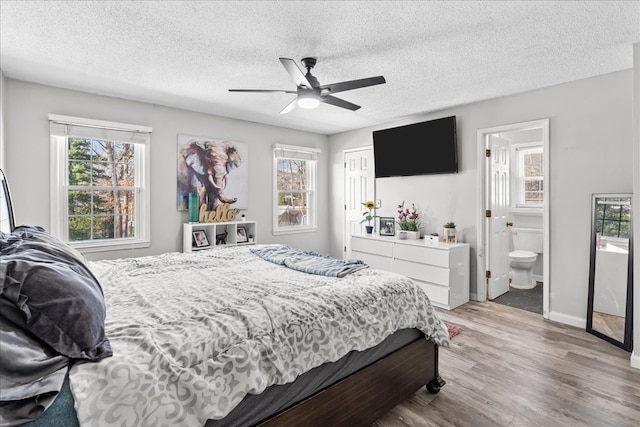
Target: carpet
[[453, 329]]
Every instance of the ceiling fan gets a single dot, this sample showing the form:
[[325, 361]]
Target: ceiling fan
[[310, 93]]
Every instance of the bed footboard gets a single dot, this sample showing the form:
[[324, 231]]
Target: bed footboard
[[366, 395]]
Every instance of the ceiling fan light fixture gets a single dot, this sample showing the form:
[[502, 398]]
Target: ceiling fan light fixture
[[310, 93], [308, 100]]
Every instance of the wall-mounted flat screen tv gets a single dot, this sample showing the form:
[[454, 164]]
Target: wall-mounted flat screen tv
[[417, 149]]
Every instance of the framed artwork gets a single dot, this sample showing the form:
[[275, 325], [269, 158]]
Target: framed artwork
[[216, 169], [200, 238], [241, 236], [387, 226]]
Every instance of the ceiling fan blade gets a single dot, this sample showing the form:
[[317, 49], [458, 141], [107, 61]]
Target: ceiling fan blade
[[263, 90], [339, 102], [351, 84], [295, 72], [290, 106]]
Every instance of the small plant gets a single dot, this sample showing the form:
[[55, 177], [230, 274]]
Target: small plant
[[368, 215], [450, 224]]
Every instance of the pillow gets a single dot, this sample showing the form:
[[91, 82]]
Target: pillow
[[60, 298]]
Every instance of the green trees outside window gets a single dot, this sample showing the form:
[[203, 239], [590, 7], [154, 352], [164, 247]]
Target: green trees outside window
[[101, 194]]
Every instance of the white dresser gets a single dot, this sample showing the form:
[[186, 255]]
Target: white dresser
[[441, 269]]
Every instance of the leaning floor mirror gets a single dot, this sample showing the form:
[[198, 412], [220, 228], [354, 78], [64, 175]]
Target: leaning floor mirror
[[610, 304]]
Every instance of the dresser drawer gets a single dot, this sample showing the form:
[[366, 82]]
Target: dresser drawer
[[422, 254], [372, 246], [438, 295], [422, 272], [372, 260]]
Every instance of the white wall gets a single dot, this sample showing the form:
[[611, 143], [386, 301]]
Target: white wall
[[2, 150], [27, 106], [635, 356], [589, 152]]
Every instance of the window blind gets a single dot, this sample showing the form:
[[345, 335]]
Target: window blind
[[92, 129], [296, 153]]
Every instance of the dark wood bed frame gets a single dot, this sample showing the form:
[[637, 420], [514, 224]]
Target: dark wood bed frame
[[366, 395]]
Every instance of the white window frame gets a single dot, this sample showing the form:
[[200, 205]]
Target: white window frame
[[518, 152], [63, 127], [310, 155]]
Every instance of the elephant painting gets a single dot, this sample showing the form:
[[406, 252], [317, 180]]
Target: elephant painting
[[210, 167]]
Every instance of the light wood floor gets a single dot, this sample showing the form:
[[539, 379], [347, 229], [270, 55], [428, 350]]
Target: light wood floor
[[609, 325], [510, 367]]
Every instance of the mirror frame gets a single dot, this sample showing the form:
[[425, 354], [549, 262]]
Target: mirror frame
[[4, 187], [627, 344]]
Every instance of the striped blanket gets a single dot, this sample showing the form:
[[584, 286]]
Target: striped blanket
[[308, 261]]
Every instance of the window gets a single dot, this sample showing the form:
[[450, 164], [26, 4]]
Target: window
[[294, 186], [99, 183], [613, 217], [528, 184]]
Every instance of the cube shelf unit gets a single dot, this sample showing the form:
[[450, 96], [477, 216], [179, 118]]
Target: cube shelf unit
[[211, 229]]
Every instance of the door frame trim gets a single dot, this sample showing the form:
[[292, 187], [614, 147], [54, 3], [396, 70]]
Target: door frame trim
[[481, 227]]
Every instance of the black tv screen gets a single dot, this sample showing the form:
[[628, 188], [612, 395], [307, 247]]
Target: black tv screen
[[417, 149]]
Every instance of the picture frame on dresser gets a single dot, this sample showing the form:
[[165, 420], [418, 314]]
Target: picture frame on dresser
[[387, 226], [200, 239], [241, 234]]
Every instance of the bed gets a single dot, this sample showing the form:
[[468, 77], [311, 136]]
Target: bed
[[231, 336]]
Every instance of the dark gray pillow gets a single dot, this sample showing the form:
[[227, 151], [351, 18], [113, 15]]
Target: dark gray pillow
[[62, 300]]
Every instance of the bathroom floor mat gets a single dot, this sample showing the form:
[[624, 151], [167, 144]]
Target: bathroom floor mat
[[525, 299]]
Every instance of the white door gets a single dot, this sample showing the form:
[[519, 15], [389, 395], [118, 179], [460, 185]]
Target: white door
[[359, 179], [497, 228]]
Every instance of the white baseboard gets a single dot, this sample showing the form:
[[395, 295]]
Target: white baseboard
[[635, 359], [578, 322], [537, 277]]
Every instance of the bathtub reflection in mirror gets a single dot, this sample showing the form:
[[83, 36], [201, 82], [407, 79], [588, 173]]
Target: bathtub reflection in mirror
[[610, 304]]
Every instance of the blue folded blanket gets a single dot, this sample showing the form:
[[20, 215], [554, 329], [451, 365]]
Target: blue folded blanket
[[308, 261]]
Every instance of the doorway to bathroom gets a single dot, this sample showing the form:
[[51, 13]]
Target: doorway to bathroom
[[513, 195]]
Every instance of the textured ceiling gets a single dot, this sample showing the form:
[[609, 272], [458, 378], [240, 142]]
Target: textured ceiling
[[434, 55]]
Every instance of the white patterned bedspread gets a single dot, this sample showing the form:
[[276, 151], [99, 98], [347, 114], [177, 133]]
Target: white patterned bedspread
[[192, 334]]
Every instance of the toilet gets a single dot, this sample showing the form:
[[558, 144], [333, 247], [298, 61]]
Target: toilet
[[527, 244]]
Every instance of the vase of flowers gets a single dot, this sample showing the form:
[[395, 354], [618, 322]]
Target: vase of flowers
[[368, 215], [409, 222]]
